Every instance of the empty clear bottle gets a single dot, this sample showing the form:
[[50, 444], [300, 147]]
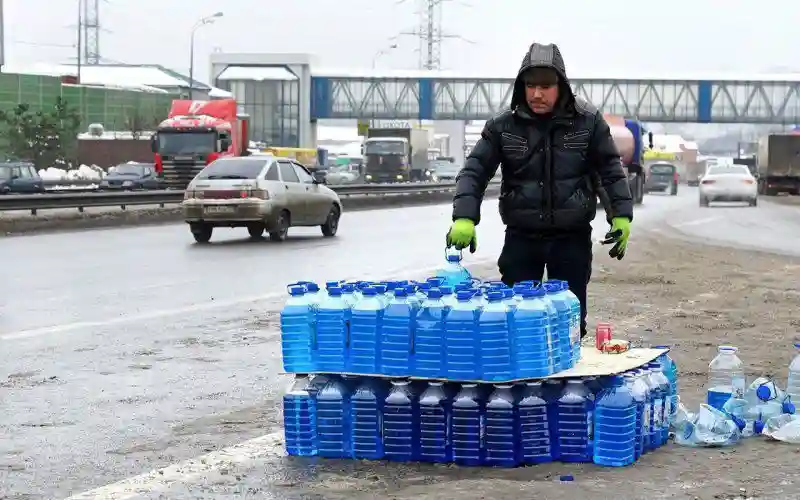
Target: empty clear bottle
[[453, 272], [559, 299], [725, 377], [435, 409], [366, 321], [462, 348], [502, 428], [397, 332], [333, 332], [575, 434], [334, 414], [494, 328], [534, 426], [300, 419], [532, 346], [467, 426], [615, 425], [298, 332], [401, 423], [366, 419], [428, 342], [793, 383]]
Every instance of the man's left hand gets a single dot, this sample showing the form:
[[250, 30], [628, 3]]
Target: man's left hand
[[618, 235]]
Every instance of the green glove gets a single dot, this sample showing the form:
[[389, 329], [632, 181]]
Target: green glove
[[462, 235], [618, 235]]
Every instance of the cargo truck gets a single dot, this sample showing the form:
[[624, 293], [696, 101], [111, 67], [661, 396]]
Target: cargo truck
[[194, 134], [396, 155], [778, 164], [628, 136]]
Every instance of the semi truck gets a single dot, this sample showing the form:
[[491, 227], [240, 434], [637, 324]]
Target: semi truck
[[628, 136], [778, 164], [194, 134], [396, 155]]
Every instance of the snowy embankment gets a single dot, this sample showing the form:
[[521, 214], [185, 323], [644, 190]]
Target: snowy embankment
[[82, 178]]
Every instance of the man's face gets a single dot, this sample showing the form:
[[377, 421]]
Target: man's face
[[541, 89]]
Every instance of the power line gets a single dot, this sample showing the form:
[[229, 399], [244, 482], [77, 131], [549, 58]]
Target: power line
[[430, 33]]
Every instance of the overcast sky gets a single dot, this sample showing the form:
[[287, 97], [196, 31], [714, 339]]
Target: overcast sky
[[610, 37]]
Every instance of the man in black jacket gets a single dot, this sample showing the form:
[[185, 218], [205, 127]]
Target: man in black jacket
[[557, 155]]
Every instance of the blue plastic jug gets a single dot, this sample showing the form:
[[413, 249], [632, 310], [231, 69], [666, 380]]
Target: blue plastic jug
[[435, 411], [468, 426], [298, 332], [502, 428], [575, 434], [333, 332], [366, 429], [453, 272], [334, 414], [494, 331], [428, 342], [615, 425], [300, 419], [365, 333], [401, 423], [399, 320], [462, 347], [534, 426], [533, 348]]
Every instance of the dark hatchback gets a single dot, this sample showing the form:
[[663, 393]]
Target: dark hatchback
[[129, 176], [20, 178], [662, 177]]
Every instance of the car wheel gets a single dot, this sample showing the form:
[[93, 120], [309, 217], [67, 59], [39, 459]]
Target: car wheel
[[256, 230], [281, 227], [703, 201], [201, 232], [331, 225], [754, 202]]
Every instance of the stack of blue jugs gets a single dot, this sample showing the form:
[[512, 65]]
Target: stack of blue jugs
[[442, 371]]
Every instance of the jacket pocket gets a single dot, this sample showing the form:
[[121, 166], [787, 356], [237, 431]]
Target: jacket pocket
[[576, 140]]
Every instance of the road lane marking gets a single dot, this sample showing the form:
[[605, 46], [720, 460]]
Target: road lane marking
[[203, 306], [159, 480], [697, 222]]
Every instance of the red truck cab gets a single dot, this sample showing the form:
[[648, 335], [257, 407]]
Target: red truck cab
[[194, 134]]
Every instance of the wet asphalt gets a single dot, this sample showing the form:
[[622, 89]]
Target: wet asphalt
[[126, 350]]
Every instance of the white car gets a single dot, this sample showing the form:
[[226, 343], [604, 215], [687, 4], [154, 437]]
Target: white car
[[728, 183]]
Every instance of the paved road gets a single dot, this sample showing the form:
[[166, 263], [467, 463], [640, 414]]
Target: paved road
[[129, 350]]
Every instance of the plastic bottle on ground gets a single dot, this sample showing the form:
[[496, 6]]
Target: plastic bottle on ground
[[725, 377], [793, 382], [401, 423], [615, 425], [501, 428], [670, 369], [659, 387], [299, 419], [435, 411], [297, 332], [534, 426], [468, 426], [575, 409], [334, 415]]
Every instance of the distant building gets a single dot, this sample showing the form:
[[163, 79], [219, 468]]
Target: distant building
[[146, 77]]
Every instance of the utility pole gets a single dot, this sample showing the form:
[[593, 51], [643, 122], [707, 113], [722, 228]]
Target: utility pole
[[79, 45], [91, 31], [430, 34]]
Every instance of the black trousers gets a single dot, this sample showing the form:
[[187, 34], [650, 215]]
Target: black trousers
[[567, 257]]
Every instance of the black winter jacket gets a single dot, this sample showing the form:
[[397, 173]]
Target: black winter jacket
[[552, 167]]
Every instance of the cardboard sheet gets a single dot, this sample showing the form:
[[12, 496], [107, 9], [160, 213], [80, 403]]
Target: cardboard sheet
[[593, 363]]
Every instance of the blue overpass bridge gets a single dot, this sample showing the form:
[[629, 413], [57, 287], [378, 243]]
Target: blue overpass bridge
[[766, 99]]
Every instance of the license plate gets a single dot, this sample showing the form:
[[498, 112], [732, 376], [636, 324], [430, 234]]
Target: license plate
[[219, 210]]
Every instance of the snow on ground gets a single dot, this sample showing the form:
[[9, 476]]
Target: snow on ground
[[82, 173]]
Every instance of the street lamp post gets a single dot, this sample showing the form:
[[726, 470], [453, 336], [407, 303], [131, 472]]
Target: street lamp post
[[381, 53], [202, 22]]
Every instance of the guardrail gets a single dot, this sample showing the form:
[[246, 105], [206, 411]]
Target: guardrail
[[80, 201]]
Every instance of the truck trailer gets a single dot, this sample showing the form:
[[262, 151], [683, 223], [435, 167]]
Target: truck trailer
[[628, 136], [194, 134], [778, 164], [396, 155]]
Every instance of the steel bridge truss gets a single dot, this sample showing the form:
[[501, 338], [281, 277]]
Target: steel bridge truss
[[647, 100]]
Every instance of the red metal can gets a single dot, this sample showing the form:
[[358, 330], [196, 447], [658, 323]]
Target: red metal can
[[602, 335]]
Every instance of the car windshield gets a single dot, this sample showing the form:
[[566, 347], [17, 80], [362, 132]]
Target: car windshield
[[447, 168], [129, 169], [728, 170], [186, 143], [233, 169], [378, 147], [5, 172], [663, 168]]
